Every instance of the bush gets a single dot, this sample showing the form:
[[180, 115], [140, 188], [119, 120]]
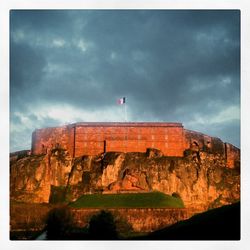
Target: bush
[[176, 195], [102, 227], [59, 223]]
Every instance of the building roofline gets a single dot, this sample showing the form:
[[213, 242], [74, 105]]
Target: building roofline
[[115, 124], [126, 124]]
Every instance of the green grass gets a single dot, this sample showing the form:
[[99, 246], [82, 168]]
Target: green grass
[[128, 200]]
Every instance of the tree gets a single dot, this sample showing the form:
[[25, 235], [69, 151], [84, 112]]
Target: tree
[[102, 226], [59, 223]]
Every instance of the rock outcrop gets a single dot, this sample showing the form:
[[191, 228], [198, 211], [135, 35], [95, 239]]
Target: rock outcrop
[[200, 178]]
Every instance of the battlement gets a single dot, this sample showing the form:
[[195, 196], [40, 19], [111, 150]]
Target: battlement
[[92, 138]]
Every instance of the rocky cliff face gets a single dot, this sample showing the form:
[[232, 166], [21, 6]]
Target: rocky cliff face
[[200, 178]]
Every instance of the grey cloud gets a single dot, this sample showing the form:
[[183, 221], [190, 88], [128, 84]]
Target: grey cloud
[[21, 136], [26, 65], [228, 132], [170, 64], [40, 21]]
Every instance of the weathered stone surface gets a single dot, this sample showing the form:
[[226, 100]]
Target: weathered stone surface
[[111, 171], [201, 179], [31, 177], [152, 153]]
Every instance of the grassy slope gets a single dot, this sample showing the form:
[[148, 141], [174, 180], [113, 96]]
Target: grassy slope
[[128, 200], [217, 224]]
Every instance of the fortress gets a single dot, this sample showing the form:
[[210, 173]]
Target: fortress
[[202, 171], [92, 138]]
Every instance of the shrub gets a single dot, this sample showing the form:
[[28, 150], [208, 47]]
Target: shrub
[[176, 195], [59, 223], [102, 226]]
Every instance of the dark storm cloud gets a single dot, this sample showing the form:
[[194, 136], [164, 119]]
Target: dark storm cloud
[[26, 73], [229, 132], [40, 21], [171, 65], [172, 53]]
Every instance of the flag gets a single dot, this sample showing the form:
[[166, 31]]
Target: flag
[[122, 100]]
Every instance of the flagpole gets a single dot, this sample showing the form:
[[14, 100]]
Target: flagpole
[[123, 101], [125, 111]]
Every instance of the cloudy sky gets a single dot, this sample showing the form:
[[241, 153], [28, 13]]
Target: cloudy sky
[[179, 66]]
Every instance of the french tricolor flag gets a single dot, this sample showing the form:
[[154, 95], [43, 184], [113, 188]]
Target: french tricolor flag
[[121, 101]]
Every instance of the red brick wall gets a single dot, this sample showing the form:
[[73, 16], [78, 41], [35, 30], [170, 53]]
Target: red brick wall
[[89, 138], [134, 138]]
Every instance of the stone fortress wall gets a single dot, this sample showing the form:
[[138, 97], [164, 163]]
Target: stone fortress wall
[[92, 138]]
